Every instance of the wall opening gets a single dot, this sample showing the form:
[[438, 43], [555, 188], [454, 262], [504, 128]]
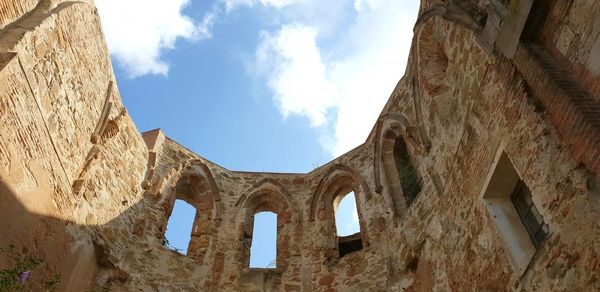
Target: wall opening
[[514, 213], [263, 250], [179, 227], [347, 224], [346, 216], [409, 180], [534, 26], [524, 21], [192, 193], [528, 213]]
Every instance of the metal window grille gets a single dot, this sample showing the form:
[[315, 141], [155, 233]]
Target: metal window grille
[[529, 214]]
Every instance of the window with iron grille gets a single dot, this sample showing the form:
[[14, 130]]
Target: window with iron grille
[[529, 214]]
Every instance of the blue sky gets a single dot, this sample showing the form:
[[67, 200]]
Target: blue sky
[[258, 85], [262, 252]]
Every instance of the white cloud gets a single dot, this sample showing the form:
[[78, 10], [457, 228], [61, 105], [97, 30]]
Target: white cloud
[[138, 31], [381, 38], [233, 4], [294, 71], [344, 94], [278, 3], [359, 5], [335, 71]]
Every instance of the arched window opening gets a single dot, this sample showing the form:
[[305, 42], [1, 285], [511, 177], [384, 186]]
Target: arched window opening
[[347, 224], [409, 180], [346, 216], [192, 197], [179, 227], [263, 250]]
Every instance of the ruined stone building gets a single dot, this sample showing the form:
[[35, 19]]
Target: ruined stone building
[[480, 174]]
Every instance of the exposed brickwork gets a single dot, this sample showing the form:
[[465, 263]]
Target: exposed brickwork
[[572, 110]]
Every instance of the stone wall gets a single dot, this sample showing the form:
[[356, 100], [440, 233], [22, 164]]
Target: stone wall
[[86, 195], [13, 9], [59, 185]]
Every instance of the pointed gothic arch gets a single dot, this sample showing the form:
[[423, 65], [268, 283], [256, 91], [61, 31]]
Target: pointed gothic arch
[[270, 196], [394, 130], [194, 184], [337, 182]]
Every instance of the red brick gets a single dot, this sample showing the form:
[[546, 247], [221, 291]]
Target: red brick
[[327, 280]]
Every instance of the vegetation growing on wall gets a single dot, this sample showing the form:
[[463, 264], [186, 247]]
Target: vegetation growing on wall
[[14, 278], [409, 179]]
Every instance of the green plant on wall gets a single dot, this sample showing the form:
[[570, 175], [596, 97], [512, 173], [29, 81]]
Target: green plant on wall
[[168, 245], [53, 284], [410, 182], [13, 279], [409, 179]]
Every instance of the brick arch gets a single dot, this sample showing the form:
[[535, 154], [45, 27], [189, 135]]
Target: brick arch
[[429, 54], [433, 60], [266, 195], [337, 173], [394, 140], [399, 125], [193, 183], [466, 14], [265, 185], [200, 167], [336, 183]]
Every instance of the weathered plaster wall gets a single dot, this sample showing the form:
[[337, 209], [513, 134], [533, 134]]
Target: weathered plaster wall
[[83, 191]]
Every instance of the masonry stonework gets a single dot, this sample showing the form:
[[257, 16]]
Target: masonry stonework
[[84, 197]]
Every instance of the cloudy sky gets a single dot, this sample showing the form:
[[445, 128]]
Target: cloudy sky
[[259, 85]]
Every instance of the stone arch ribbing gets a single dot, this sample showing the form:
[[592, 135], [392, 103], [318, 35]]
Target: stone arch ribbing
[[432, 60], [264, 185], [196, 167], [193, 182], [266, 195], [413, 134], [466, 15], [334, 173], [336, 183]]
